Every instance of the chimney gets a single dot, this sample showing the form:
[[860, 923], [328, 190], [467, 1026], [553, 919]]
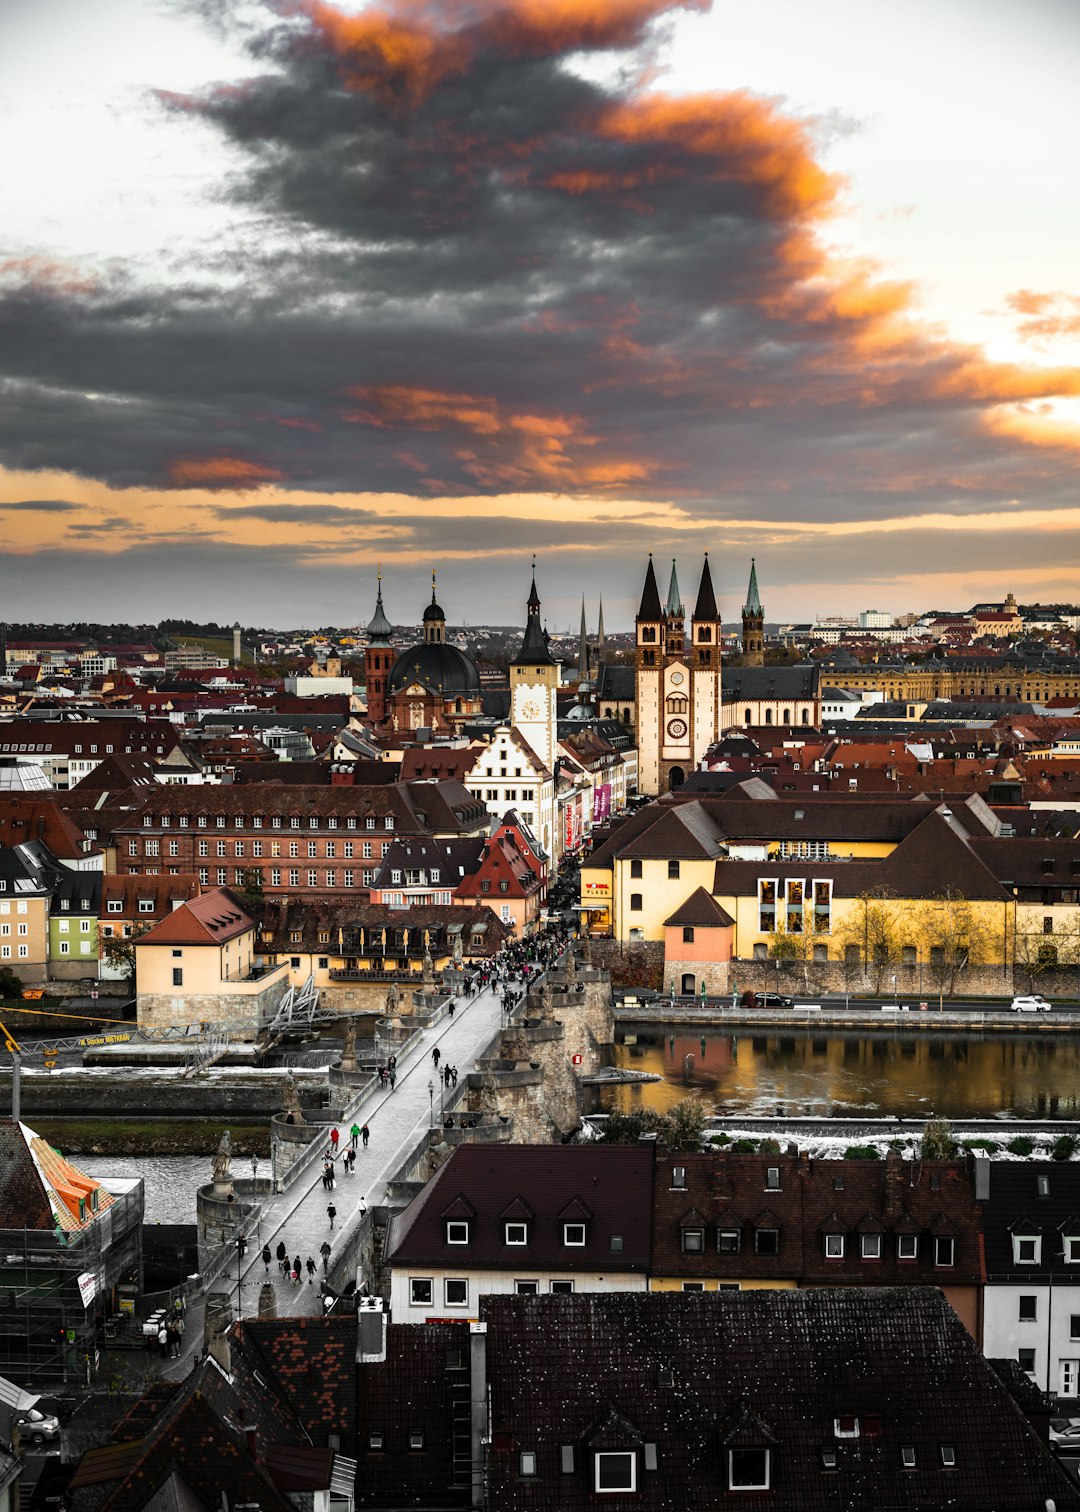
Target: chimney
[[480, 1424], [894, 1186]]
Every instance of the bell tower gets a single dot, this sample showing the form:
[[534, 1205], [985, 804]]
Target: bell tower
[[378, 659], [534, 677], [753, 624]]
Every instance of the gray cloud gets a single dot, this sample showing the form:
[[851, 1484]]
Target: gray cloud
[[39, 506], [512, 280]]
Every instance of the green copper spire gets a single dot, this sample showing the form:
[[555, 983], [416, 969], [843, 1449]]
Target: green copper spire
[[674, 599], [753, 602]]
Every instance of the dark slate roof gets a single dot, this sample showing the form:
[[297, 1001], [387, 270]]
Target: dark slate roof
[[616, 684], [418, 1386], [1014, 1197], [700, 910], [649, 608], [614, 1182], [705, 608], [757, 1368], [437, 666], [801, 681]]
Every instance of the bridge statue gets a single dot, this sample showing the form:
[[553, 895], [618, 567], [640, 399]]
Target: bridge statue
[[391, 1000], [222, 1157], [291, 1101]]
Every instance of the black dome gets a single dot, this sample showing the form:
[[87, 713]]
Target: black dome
[[439, 667], [433, 612]]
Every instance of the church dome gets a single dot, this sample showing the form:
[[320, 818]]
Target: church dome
[[439, 667], [433, 612]]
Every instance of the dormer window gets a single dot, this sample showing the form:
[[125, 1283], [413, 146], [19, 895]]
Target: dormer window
[[748, 1469], [944, 1251], [615, 1470], [693, 1241], [457, 1231], [871, 1246], [834, 1246], [1027, 1249], [573, 1234], [767, 1241], [1072, 1249], [728, 1241], [516, 1233]]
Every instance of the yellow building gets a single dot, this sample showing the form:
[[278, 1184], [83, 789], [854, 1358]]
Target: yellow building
[[199, 965]]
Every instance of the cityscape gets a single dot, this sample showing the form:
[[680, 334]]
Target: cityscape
[[539, 757]]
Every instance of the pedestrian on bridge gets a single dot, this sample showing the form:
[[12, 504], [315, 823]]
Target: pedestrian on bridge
[[334, 1137], [354, 1134], [435, 1055], [282, 1254], [331, 1213], [310, 1271], [324, 1251], [364, 1132], [393, 1078], [297, 1270], [266, 1257]]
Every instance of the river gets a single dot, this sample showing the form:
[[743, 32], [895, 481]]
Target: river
[[171, 1181], [896, 1072]]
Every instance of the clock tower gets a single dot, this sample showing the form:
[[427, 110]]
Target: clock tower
[[534, 677], [677, 682]]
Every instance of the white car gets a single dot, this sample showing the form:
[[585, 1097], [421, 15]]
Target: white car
[[1032, 1004]]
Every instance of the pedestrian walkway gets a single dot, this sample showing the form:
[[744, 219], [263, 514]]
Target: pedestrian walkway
[[397, 1121]]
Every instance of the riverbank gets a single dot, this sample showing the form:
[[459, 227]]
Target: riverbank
[[823, 1014], [119, 1136]]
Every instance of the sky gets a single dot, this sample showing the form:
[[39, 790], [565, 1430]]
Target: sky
[[290, 290]]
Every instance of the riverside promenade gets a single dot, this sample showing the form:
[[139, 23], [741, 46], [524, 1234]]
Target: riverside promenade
[[297, 1217]]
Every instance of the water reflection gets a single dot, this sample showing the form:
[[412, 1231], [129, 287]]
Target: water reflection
[[890, 1073]]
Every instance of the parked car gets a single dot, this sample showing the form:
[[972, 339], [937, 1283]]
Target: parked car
[[1032, 1004], [773, 1000], [35, 1427], [1065, 1433]]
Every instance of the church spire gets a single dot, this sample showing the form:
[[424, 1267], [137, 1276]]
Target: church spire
[[583, 647], [753, 602], [534, 647], [705, 608], [753, 624], [379, 630], [601, 649], [649, 608], [674, 604]]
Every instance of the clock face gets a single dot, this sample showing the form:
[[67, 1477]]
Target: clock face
[[676, 728], [530, 709], [676, 678]]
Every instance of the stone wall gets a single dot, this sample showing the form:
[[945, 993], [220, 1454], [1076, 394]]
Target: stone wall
[[637, 965], [243, 1010], [532, 1077], [805, 979], [167, 1094]]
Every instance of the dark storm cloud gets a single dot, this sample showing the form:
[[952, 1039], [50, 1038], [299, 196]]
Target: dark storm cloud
[[39, 506], [497, 276]]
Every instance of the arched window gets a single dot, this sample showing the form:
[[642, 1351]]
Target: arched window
[[748, 716], [806, 716], [768, 716], [787, 716]]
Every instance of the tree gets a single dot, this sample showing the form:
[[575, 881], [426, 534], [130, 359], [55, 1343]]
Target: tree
[[119, 950], [878, 926], [10, 985], [937, 1140], [953, 935], [253, 888], [681, 1128]]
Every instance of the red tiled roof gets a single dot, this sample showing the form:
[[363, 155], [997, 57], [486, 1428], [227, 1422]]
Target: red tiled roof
[[210, 919]]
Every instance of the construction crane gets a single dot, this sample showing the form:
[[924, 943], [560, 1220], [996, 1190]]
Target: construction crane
[[51, 1047]]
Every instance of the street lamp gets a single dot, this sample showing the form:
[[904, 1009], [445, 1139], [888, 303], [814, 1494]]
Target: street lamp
[[431, 1102]]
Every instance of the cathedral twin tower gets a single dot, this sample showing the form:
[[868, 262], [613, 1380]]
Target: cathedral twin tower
[[678, 691]]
